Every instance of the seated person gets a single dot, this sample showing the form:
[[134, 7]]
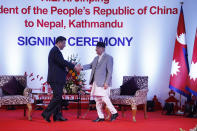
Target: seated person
[[191, 107]]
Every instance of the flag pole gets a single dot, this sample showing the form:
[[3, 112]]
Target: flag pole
[[180, 94], [180, 103]]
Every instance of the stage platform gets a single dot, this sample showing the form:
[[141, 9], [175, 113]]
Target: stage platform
[[13, 120]]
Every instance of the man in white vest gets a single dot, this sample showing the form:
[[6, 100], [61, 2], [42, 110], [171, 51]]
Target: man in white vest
[[101, 81]]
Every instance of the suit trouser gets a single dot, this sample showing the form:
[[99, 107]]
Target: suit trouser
[[54, 106], [99, 105]]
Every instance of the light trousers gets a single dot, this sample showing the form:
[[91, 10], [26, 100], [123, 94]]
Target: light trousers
[[99, 105]]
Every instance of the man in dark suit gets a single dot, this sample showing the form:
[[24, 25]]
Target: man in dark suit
[[57, 71]]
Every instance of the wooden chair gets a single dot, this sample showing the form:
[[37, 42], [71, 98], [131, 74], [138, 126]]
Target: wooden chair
[[140, 96], [24, 99]]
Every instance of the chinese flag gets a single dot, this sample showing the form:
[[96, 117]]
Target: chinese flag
[[180, 68], [192, 78]]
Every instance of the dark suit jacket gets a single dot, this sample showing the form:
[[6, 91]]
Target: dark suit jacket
[[57, 67]]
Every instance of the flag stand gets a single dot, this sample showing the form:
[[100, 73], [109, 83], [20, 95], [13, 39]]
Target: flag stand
[[180, 112], [180, 103]]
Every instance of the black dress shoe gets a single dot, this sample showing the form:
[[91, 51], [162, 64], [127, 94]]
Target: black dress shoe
[[99, 120], [45, 118], [114, 116], [60, 119]]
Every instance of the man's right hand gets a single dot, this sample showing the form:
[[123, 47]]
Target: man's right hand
[[78, 68]]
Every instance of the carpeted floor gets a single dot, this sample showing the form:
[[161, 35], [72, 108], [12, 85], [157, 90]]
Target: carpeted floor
[[13, 120]]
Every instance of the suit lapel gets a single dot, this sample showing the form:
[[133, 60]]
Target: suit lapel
[[96, 61], [101, 61]]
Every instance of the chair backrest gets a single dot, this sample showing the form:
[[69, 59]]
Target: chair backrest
[[141, 81], [5, 78]]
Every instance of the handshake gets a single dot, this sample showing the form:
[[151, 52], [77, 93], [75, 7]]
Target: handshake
[[78, 67]]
